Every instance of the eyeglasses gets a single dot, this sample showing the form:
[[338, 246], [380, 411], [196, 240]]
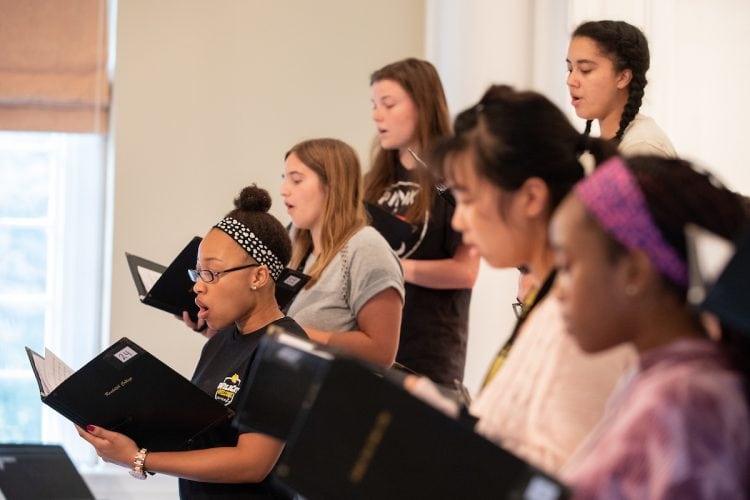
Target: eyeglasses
[[518, 308], [209, 276]]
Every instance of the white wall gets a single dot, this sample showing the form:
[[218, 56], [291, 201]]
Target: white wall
[[697, 91], [473, 44], [208, 96], [699, 68]]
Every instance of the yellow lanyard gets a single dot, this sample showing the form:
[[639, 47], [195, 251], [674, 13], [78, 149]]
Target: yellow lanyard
[[532, 299]]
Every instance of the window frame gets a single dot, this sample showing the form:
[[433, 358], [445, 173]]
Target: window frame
[[73, 297]]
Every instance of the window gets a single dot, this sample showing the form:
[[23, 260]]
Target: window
[[52, 214]]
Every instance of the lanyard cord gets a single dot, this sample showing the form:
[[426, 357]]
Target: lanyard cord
[[532, 302]]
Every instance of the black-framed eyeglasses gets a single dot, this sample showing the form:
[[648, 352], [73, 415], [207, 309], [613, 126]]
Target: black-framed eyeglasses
[[518, 308], [209, 276]]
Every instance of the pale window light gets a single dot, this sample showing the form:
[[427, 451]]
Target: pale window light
[[52, 215]]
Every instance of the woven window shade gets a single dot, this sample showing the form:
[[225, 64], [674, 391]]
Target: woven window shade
[[53, 65]]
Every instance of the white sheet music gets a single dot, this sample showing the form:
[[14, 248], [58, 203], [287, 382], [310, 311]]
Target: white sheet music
[[51, 370], [714, 253], [708, 254], [56, 369], [148, 276], [39, 365]]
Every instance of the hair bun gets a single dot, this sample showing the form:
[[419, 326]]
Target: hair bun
[[253, 199]]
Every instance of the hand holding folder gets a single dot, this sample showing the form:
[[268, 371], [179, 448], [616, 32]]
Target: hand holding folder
[[128, 390]]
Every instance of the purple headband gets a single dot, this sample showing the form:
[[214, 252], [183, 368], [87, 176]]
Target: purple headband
[[612, 195]]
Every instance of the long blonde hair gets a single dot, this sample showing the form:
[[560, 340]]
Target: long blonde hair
[[337, 166]]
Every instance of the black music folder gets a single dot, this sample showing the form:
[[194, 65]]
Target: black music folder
[[128, 390], [352, 432], [400, 234], [707, 255], [39, 472], [728, 298], [171, 289], [283, 371], [167, 288], [288, 286]]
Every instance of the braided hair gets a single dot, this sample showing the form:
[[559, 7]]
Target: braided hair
[[627, 47]]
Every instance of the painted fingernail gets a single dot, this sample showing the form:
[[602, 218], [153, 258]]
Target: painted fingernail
[[90, 428]]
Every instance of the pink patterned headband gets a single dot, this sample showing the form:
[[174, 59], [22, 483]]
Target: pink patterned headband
[[612, 195]]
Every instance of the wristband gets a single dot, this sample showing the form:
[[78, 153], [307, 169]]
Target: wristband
[[139, 471]]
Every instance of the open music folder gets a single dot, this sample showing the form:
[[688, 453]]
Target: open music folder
[[171, 289], [284, 369], [167, 288], [128, 390], [352, 431], [726, 296], [707, 254]]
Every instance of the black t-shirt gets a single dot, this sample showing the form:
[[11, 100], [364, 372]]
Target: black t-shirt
[[434, 326], [221, 371]]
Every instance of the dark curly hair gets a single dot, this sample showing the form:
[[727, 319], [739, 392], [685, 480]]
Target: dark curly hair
[[251, 208], [627, 47], [677, 193], [701, 200]]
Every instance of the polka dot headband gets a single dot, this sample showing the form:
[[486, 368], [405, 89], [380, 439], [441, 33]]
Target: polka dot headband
[[252, 245]]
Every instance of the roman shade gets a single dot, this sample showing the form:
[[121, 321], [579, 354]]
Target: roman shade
[[53, 65]]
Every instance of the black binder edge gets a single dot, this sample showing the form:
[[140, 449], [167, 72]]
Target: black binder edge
[[134, 262], [30, 353], [396, 231], [59, 405], [286, 291], [146, 296]]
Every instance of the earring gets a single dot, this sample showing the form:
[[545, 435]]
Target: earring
[[631, 290], [254, 287]]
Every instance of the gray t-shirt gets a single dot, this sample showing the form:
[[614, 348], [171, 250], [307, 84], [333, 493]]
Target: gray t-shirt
[[364, 267]]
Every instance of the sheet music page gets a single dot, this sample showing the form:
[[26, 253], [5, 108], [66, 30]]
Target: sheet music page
[[713, 252], [55, 370], [148, 276], [39, 365]]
